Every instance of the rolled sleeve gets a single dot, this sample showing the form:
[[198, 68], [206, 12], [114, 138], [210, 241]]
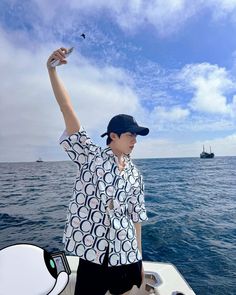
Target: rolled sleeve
[[78, 146], [137, 207]]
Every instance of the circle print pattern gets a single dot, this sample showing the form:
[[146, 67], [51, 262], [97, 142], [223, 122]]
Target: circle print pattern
[[108, 178], [135, 172], [73, 138], [99, 161], [77, 149], [83, 212], [89, 189], [126, 246], [122, 234], [78, 236], [116, 223], [131, 179], [87, 176], [90, 254], [131, 256], [107, 165], [93, 203], [128, 187], [88, 240], [72, 155], [79, 185], [130, 233], [101, 185], [86, 226], [114, 259], [96, 217], [101, 258], [143, 216], [80, 250], [102, 245], [82, 158], [121, 196], [70, 246], [100, 230], [120, 183], [83, 138], [73, 208], [100, 172], [92, 229], [134, 244], [124, 222], [117, 246], [123, 258], [80, 198], [75, 222], [110, 190]]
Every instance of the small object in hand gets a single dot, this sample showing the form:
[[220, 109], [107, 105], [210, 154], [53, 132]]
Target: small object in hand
[[83, 35], [55, 63]]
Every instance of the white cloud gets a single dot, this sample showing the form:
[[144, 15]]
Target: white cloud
[[173, 114], [210, 84], [130, 15], [222, 8], [165, 16]]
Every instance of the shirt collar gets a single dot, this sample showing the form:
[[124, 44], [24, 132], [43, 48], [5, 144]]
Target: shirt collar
[[108, 151]]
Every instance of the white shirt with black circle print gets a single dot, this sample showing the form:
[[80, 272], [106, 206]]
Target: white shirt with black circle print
[[105, 204]]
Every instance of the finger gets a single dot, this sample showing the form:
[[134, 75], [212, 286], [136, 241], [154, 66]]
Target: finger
[[63, 49], [58, 55], [62, 52]]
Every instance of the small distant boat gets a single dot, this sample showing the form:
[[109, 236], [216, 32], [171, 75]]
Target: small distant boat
[[39, 160], [205, 155]]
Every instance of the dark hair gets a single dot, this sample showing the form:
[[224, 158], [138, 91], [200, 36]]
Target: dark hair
[[109, 140]]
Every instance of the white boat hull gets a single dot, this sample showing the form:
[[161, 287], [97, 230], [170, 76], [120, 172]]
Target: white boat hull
[[160, 279]]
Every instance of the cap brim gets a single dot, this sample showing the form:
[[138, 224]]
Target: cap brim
[[104, 134], [139, 130]]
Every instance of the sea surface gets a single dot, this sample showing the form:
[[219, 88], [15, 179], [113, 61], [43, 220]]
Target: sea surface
[[191, 205]]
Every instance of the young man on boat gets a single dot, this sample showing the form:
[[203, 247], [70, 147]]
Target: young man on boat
[[107, 207]]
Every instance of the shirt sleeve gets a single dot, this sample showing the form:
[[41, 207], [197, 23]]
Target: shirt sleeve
[[136, 205], [78, 146]]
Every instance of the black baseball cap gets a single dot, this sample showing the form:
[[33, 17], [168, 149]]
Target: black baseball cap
[[124, 123]]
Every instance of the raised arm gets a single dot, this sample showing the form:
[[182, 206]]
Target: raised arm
[[71, 120]]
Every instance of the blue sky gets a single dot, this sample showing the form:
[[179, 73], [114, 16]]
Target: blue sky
[[170, 64]]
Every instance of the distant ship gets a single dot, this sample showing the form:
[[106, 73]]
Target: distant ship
[[205, 155], [39, 160]]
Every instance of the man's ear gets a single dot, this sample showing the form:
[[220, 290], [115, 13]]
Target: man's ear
[[113, 136]]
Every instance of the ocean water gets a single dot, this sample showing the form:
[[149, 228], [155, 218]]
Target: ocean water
[[191, 205]]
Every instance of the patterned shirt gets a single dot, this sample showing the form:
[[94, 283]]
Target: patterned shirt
[[105, 204]]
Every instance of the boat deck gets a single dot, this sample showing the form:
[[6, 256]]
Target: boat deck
[[160, 279]]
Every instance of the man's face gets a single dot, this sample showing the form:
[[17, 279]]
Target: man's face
[[125, 143]]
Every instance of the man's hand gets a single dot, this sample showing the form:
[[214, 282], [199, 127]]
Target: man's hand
[[58, 54]]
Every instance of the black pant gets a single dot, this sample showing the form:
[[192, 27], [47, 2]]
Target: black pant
[[96, 279]]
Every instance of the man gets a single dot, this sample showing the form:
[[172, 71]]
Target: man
[[107, 207]]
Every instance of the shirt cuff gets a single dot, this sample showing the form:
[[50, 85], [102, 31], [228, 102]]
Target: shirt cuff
[[65, 134]]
